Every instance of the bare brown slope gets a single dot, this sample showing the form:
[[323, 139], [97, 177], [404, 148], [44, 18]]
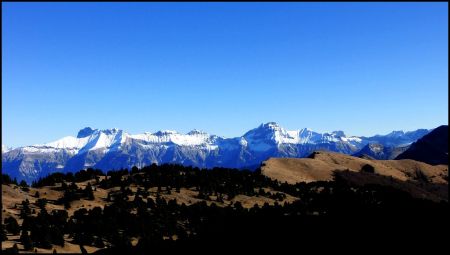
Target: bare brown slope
[[320, 167], [12, 197]]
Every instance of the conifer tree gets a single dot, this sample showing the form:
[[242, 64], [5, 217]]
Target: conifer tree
[[89, 193], [26, 240], [12, 226]]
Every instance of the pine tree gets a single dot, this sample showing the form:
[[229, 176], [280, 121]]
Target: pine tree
[[261, 192], [219, 198], [368, 168], [57, 236], [23, 184], [12, 226], [45, 241], [26, 240], [25, 211], [4, 237], [98, 242], [83, 250], [66, 204], [13, 250], [41, 202], [89, 193]]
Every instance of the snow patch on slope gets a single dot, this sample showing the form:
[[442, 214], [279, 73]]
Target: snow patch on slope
[[192, 138], [5, 148]]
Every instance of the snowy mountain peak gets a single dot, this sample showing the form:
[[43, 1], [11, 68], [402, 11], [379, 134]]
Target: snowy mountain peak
[[261, 138], [5, 148], [271, 125], [264, 131]]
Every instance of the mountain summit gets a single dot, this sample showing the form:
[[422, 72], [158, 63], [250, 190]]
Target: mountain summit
[[85, 132], [115, 149]]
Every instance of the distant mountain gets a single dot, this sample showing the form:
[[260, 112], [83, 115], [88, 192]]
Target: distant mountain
[[379, 151], [5, 148], [398, 138], [114, 149], [431, 148]]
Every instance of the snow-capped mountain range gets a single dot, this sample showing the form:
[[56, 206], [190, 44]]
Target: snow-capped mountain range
[[114, 149]]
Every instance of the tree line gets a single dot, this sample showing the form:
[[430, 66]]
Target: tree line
[[324, 209]]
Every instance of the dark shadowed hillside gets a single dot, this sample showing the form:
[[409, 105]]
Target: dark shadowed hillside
[[431, 149], [172, 208]]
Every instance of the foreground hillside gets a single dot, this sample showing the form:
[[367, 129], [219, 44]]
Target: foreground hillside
[[418, 178], [320, 165], [171, 207]]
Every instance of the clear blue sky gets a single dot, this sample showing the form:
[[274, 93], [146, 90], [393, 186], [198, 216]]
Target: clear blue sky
[[365, 68]]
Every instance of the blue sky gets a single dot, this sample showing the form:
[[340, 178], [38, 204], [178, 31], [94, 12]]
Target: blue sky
[[365, 68]]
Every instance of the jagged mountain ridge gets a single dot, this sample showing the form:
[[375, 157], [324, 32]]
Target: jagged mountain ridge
[[115, 149], [379, 151]]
